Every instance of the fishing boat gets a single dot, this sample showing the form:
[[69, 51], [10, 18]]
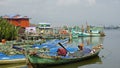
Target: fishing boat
[[46, 59], [20, 58], [51, 43], [88, 32], [8, 55], [11, 59]]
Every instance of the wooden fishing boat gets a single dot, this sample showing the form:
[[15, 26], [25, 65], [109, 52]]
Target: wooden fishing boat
[[84, 34], [20, 58], [51, 44], [13, 59], [45, 60], [8, 55], [89, 32]]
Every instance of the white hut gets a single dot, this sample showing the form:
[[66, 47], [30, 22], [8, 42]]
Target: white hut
[[30, 30]]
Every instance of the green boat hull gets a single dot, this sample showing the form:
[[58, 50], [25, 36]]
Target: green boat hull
[[37, 62]]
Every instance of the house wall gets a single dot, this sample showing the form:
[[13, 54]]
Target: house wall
[[20, 22], [24, 23]]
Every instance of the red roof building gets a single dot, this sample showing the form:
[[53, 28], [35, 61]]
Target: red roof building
[[18, 20]]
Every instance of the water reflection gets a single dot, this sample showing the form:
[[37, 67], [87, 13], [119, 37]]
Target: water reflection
[[92, 40]]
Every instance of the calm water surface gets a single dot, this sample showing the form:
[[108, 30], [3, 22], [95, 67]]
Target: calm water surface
[[109, 57]]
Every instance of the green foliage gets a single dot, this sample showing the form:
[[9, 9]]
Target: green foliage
[[7, 30]]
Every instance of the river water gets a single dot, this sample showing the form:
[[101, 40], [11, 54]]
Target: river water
[[109, 56]]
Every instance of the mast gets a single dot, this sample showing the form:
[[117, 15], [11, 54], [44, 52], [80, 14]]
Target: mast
[[88, 27]]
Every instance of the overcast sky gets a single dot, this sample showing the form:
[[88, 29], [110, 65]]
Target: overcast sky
[[65, 12]]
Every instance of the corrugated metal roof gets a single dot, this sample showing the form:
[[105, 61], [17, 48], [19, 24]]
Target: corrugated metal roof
[[14, 16]]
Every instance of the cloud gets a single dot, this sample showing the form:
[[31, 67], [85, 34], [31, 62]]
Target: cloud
[[92, 2], [2, 2], [67, 2], [75, 2]]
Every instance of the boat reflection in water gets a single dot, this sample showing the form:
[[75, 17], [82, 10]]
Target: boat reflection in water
[[92, 40]]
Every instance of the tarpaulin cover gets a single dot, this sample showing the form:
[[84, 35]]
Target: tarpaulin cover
[[9, 57]]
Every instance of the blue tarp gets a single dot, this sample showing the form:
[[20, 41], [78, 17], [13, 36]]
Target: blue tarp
[[9, 57], [50, 44]]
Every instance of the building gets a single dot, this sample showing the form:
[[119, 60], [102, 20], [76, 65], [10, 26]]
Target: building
[[44, 25], [18, 20], [30, 30], [45, 28]]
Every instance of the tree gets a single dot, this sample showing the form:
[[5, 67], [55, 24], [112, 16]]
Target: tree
[[7, 30]]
